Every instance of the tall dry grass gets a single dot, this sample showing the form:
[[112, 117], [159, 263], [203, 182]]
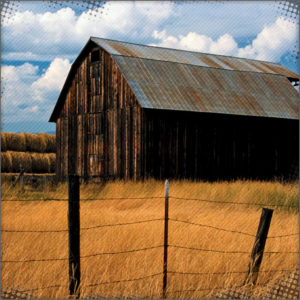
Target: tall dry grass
[[42, 142], [48, 215]]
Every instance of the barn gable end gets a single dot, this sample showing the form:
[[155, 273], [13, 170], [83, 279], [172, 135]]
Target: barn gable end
[[99, 121]]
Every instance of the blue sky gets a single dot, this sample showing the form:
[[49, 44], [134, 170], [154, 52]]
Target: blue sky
[[41, 41]]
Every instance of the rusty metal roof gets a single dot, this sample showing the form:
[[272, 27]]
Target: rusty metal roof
[[184, 87], [164, 78], [192, 58]]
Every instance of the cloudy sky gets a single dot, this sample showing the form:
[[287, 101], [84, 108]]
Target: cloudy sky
[[42, 40]]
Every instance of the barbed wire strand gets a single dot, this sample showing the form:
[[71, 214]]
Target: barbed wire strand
[[34, 231], [210, 250], [121, 281], [228, 272], [86, 199], [278, 252], [34, 260], [122, 224], [209, 226], [125, 198], [84, 256], [204, 289], [143, 221], [145, 198], [231, 202], [84, 228], [232, 252], [121, 252], [144, 249], [34, 200], [281, 236]]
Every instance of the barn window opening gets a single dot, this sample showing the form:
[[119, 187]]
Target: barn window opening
[[95, 56]]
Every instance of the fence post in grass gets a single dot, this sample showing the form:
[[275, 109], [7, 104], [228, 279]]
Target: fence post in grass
[[74, 236], [165, 270], [21, 179], [44, 182], [259, 246]]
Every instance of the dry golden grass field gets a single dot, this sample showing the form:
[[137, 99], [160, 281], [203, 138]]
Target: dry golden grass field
[[99, 273]]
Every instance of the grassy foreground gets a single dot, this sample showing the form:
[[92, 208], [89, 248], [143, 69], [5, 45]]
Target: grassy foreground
[[100, 272]]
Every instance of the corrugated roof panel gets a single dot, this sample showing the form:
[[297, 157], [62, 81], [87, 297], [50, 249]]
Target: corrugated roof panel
[[238, 64], [218, 62], [169, 85], [106, 45], [279, 69], [192, 58]]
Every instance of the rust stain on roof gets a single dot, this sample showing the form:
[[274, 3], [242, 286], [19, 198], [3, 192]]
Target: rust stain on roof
[[169, 85]]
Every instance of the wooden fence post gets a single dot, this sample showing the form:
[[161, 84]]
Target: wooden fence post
[[21, 179], [74, 236], [165, 270], [44, 182], [259, 246]]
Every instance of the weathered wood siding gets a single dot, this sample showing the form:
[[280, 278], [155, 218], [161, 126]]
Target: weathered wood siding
[[98, 129]]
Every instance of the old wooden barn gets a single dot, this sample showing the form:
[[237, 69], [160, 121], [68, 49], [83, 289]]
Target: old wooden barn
[[135, 111]]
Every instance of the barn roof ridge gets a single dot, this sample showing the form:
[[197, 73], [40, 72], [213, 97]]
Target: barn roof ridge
[[128, 49], [181, 50], [196, 66]]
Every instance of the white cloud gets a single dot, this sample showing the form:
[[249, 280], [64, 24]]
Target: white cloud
[[30, 56], [13, 73], [154, 11], [198, 42], [53, 78], [270, 44], [215, 18], [16, 81], [32, 109], [224, 45], [47, 87], [42, 35], [27, 95]]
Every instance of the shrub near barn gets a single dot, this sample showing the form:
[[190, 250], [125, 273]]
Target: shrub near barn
[[35, 152]]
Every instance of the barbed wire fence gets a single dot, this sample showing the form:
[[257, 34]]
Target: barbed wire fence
[[74, 262]]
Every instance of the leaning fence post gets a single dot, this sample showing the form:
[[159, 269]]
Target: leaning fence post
[[165, 270], [21, 179], [74, 236], [259, 246]]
